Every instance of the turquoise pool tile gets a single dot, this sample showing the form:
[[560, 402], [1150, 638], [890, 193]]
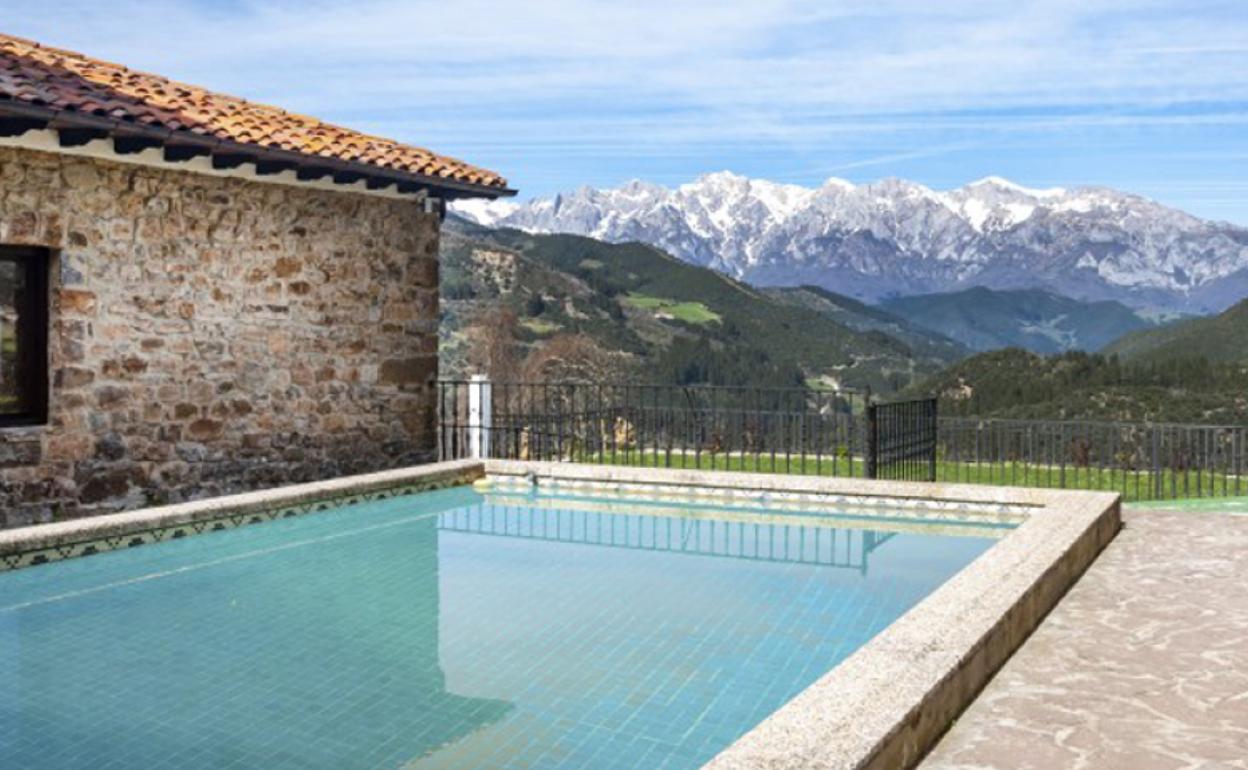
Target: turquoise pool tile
[[442, 630]]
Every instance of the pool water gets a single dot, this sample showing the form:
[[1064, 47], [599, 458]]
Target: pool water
[[446, 630]]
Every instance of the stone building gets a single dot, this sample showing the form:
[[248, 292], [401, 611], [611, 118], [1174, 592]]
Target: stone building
[[202, 295]]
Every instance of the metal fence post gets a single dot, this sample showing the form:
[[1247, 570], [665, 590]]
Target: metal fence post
[[480, 416], [873, 442], [861, 435], [1159, 483], [933, 416]]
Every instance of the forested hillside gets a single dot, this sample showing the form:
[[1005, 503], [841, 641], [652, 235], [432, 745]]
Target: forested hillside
[[1082, 386], [1036, 320], [927, 345], [518, 303], [1221, 338]]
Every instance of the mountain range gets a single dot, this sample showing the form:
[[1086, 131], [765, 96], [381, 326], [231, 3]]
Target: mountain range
[[896, 238]]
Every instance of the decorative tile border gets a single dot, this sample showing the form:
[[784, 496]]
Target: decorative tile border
[[706, 508], [158, 525], [819, 491], [810, 502]]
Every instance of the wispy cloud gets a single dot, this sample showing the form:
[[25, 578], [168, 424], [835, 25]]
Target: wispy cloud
[[898, 157], [558, 93]]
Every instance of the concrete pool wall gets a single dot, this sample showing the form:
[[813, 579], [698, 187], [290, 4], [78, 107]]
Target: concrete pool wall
[[883, 707]]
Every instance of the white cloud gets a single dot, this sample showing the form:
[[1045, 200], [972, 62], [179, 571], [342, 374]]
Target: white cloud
[[847, 57], [885, 81]]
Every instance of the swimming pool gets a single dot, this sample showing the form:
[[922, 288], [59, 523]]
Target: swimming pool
[[455, 629]]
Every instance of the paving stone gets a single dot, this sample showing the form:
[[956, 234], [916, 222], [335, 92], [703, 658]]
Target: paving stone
[[1143, 665]]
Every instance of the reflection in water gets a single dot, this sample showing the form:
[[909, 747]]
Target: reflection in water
[[798, 542], [627, 640]]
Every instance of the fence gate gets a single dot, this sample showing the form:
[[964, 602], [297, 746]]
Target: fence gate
[[901, 440]]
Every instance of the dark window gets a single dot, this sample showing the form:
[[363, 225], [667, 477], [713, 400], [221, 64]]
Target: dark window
[[23, 336]]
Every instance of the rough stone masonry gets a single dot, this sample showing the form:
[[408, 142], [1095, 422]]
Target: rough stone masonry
[[215, 334]]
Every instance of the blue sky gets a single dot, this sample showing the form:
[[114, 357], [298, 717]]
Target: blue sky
[[1151, 97]]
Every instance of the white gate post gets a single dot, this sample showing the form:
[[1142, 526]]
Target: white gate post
[[480, 417]]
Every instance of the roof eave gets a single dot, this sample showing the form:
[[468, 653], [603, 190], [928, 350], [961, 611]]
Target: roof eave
[[23, 116]]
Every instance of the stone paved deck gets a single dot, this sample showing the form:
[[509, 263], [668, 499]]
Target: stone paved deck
[[1143, 665]]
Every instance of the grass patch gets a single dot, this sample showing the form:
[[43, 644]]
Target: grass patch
[[809, 465], [1132, 485], [821, 384], [689, 312], [540, 327]]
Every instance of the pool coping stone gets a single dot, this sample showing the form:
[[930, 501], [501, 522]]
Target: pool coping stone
[[40, 543]]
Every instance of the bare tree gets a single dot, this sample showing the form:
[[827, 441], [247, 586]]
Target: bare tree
[[493, 347], [575, 357]]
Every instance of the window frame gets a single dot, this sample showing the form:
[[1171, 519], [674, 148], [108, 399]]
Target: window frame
[[32, 335]]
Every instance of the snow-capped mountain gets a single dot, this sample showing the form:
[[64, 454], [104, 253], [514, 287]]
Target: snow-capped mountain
[[896, 238]]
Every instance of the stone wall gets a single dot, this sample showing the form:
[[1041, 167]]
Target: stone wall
[[212, 335]]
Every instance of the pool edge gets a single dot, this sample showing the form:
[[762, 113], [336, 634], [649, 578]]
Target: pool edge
[[883, 707], [43, 543], [887, 705]]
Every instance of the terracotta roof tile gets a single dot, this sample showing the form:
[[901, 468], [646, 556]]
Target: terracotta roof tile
[[66, 81]]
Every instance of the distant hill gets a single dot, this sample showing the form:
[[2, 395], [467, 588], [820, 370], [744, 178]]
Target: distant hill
[[1222, 338], [926, 344], [670, 319], [1032, 319], [1015, 383]]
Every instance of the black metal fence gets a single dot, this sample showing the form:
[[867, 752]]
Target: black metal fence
[[1142, 461], [789, 430], [778, 430], [836, 433], [902, 440]]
